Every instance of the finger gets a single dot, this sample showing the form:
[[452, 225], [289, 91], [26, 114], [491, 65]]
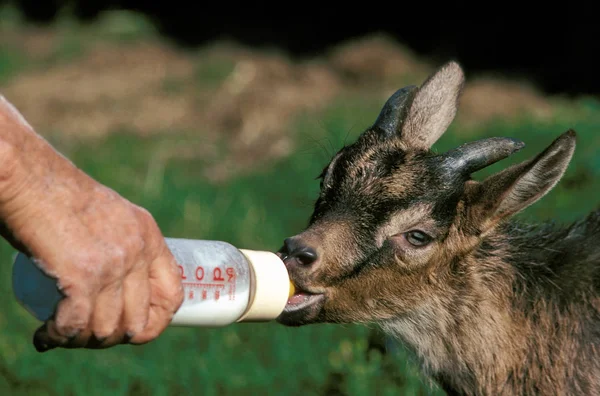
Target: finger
[[106, 317], [42, 341], [47, 337], [136, 304], [71, 319], [166, 296]]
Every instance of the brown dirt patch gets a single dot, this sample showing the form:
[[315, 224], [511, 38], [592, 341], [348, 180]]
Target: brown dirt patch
[[255, 104], [377, 60], [486, 99], [125, 87], [149, 87], [37, 43], [110, 88]]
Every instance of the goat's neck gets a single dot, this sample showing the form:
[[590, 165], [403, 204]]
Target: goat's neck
[[471, 344], [476, 335]]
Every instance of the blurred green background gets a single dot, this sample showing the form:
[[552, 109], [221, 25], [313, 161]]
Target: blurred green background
[[224, 143]]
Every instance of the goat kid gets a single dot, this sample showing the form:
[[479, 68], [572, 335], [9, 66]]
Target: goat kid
[[405, 238]]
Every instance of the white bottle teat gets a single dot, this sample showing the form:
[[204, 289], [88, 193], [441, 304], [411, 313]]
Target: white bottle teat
[[270, 286]]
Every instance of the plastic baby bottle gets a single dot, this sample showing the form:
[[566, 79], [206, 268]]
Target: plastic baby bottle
[[222, 284]]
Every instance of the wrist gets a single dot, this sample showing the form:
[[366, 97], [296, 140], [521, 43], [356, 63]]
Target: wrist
[[12, 172], [33, 174]]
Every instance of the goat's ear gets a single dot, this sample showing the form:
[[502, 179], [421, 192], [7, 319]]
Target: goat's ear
[[513, 189], [434, 107]]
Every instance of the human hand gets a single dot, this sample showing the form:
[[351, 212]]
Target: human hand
[[120, 281]]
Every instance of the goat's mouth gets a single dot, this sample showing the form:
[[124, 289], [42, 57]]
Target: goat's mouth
[[302, 308]]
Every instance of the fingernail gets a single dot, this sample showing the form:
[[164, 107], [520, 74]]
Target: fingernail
[[128, 336], [41, 346], [71, 338], [95, 342]]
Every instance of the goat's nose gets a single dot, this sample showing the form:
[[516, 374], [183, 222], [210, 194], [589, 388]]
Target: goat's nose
[[293, 249]]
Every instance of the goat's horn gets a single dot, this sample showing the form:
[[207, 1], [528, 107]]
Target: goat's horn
[[471, 157], [394, 111]]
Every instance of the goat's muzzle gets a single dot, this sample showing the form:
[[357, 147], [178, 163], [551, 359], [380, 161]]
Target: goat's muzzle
[[294, 252], [304, 306]]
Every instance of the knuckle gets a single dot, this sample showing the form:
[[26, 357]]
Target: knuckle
[[174, 296], [73, 316], [114, 260], [148, 228], [85, 260], [103, 264], [71, 326], [116, 257], [144, 217], [91, 266], [131, 247], [66, 284]]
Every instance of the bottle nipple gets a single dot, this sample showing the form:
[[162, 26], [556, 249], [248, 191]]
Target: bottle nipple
[[292, 289]]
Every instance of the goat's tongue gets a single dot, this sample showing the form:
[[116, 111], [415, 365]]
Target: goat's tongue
[[297, 298]]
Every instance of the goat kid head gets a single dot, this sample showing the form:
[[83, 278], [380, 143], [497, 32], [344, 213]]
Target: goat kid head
[[393, 218]]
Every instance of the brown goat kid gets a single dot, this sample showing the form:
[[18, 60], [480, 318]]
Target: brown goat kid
[[405, 238]]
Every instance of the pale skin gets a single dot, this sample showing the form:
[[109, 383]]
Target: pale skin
[[120, 281]]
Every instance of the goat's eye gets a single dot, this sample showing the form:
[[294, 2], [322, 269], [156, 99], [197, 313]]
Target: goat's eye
[[417, 238]]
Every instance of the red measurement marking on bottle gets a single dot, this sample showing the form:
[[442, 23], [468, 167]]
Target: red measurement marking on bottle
[[202, 285], [204, 294], [230, 271], [182, 272], [218, 275], [191, 295], [199, 273], [217, 294], [231, 292]]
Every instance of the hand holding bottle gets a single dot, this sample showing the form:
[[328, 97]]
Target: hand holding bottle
[[120, 281]]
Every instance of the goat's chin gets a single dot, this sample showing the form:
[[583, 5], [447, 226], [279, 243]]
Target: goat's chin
[[302, 309]]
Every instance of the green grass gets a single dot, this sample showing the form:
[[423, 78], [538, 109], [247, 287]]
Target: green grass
[[254, 211], [257, 211]]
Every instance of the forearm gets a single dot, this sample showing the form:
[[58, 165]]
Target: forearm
[[35, 180]]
